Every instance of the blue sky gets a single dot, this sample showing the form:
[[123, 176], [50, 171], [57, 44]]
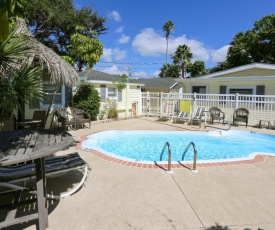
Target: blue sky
[[136, 44]]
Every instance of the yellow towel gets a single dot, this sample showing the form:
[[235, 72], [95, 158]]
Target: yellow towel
[[185, 105]]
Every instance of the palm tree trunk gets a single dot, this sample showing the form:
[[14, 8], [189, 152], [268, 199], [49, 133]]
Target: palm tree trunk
[[166, 50]]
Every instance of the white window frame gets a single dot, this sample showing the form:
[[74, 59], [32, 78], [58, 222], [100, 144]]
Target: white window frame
[[241, 87], [202, 85], [115, 97], [56, 105]]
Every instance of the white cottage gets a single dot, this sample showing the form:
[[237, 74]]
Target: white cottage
[[128, 101]]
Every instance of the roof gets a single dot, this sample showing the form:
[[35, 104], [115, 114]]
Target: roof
[[168, 83], [240, 68], [98, 76]]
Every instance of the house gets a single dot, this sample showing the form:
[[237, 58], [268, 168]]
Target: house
[[128, 101], [165, 85], [250, 79]]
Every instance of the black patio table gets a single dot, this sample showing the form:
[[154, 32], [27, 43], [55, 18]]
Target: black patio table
[[25, 146]]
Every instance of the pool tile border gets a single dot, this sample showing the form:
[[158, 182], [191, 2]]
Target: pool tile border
[[260, 158]]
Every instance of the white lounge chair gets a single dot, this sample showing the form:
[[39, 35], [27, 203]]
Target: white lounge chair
[[198, 115], [10, 176], [181, 116], [169, 110]]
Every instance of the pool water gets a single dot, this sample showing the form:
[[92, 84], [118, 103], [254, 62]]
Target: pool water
[[213, 145]]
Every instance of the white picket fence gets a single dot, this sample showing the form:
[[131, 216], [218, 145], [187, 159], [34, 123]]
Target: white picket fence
[[261, 107]]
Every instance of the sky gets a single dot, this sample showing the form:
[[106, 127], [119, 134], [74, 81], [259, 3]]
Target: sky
[[135, 43]]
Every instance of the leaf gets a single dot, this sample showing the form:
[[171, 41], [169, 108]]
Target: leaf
[[4, 28]]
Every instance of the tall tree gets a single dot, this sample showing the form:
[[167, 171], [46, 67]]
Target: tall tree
[[197, 69], [10, 10], [255, 45], [169, 70], [183, 57], [168, 27], [54, 27]]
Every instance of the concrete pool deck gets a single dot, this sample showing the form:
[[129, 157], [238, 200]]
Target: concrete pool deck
[[118, 196]]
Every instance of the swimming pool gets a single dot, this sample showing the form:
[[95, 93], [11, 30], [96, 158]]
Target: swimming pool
[[211, 146]]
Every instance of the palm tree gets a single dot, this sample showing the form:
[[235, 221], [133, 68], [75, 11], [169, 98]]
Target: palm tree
[[183, 57], [167, 27]]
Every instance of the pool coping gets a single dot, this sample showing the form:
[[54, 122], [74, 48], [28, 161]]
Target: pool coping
[[256, 159]]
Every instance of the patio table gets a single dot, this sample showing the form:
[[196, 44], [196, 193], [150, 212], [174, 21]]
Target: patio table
[[25, 146]]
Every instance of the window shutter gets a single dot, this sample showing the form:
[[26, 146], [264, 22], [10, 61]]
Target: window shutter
[[103, 93], [119, 96], [222, 91], [260, 90]]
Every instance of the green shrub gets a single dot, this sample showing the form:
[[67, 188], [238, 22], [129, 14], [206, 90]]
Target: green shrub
[[112, 113], [88, 99]]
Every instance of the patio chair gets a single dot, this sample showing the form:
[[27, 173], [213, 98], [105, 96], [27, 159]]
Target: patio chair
[[38, 120], [198, 115], [240, 115], [82, 117], [216, 114], [66, 118], [11, 176], [41, 116], [169, 110], [181, 116]]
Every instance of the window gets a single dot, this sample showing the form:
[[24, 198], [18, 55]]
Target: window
[[110, 92], [48, 92], [202, 89], [248, 91]]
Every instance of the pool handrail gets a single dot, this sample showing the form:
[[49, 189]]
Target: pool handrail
[[169, 156], [195, 156], [223, 120]]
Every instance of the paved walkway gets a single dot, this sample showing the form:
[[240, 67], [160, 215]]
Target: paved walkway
[[118, 196]]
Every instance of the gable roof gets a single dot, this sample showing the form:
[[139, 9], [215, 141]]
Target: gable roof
[[92, 75], [167, 83], [239, 68], [95, 75]]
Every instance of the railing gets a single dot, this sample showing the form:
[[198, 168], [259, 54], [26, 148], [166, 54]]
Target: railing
[[167, 145], [261, 107], [195, 156], [220, 119]]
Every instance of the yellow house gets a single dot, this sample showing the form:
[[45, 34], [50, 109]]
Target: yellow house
[[251, 79]]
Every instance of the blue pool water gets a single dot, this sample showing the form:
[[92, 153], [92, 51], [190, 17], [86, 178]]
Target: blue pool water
[[213, 145]]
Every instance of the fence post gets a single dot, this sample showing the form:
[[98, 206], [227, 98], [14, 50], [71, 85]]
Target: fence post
[[147, 103], [160, 102], [194, 102], [237, 101]]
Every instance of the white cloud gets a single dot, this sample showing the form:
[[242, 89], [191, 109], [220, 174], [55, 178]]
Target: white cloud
[[113, 54], [115, 15], [220, 54], [119, 54], [152, 44], [140, 74], [119, 29], [149, 43], [124, 39], [107, 55]]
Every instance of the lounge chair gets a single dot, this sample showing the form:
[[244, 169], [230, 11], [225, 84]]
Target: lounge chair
[[240, 115], [181, 116], [216, 114], [198, 115], [10, 176], [169, 110]]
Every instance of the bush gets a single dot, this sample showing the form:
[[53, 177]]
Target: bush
[[112, 113], [88, 99]]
